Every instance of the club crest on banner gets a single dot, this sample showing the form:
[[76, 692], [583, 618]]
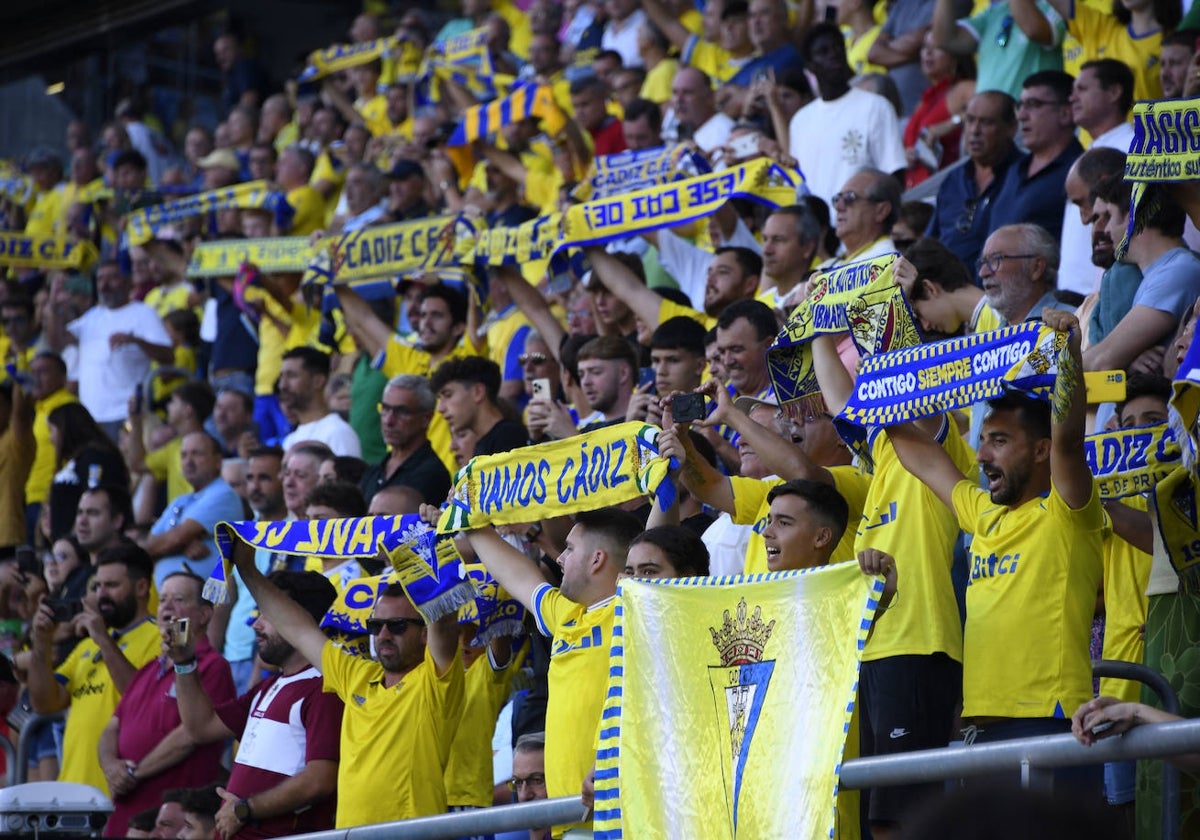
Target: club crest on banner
[[739, 686]]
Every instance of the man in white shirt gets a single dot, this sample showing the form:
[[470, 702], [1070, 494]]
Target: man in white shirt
[[621, 31], [696, 111], [1100, 103], [302, 380], [846, 129], [117, 340]]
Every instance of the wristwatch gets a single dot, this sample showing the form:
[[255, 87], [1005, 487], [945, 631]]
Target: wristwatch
[[242, 811]]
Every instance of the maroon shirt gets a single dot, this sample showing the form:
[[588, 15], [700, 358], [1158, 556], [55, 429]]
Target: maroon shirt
[[282, 724], [147, 713], [609, 138]]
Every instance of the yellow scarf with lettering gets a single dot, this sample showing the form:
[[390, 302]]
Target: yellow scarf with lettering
[[144, 224], [273, 255], [1129, 462], [383, 251], [322, 63], [1166, 138], [20, 251], [599, 469]]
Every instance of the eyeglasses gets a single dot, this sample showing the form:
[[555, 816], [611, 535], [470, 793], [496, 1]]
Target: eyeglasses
[[536, 358], [536, 780], [967, 220], [399, 410], [993, 262], [1032, 103], [1005, 32], [395, 626], [849, 197]]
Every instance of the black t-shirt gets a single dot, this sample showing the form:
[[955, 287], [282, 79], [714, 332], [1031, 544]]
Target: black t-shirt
[[502, 437], [75, 477], [423, 471]]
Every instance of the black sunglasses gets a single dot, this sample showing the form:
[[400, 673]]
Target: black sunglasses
[[395, 626]]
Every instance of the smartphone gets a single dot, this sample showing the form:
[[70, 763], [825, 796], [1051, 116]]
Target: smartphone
[[177, 632], [541, 389], [27, 561], [744, 146], [645, 377], [1104, 386], [687, 408], [139, 396], [64, 609]]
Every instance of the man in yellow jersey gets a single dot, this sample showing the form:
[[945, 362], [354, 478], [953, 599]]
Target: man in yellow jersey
[[48, 387], [805, 525], [121, 638], [911, 676], [1035, 562], [401, 708], [579, 617], [441, 323]]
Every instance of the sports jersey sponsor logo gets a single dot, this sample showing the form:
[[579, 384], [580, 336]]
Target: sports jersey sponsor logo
[[593, 640], [87, 689], [886, 517], [359, 699], [898, 732], [993, 566]]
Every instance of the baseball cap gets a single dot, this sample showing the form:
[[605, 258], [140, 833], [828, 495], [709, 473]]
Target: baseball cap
[[220, 159]]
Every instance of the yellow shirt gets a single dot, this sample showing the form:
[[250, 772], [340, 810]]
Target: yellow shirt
[[37, 487], [857, 49], [904, 518], [94, 699], [273, 331], [310, 210], [413, 720], [714, 61], [48, 210], [657, 87], [166, 299], [1095, 33], [578, 682], [469, 771], [505, 342], [751, 508], [164, 463], [669, 309], [1126, 574], [400, 358], [374, 114], [16, 459], [520, 33], [1035, 572], [324, 170]]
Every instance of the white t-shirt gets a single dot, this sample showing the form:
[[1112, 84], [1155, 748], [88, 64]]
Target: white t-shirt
[[726, 543], [1076, 272], [330, 430], [833, 140], [106, 376], [622, 37], [688, 264]]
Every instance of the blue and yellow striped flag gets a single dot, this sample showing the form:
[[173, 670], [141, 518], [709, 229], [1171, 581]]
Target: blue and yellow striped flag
[[523, 102], [743, 687]]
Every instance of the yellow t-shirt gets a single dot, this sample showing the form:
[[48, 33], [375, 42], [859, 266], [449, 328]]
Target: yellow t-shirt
[[503, 345], [469, 771], [166, 299], [520, 33], [1094, 33], [164, 464], [906, 519], [310, 210], [1126, 573], [751, 508], [669, 309], [657, 87], [400, 358], [47, 211], [324, 170], [273, 331], [714, 61], [413, 720], [374, 114], [37, 486], [578, 682], [94, 699], [1035, 572], [857, 49]]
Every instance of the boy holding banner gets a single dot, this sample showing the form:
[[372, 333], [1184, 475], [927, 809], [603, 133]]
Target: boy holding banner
[[579, 616], [1036, 558]]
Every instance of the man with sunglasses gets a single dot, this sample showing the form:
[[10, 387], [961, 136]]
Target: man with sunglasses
[[406, 408], [401, 708]]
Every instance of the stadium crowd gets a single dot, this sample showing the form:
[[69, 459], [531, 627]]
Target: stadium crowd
[[143, 404]]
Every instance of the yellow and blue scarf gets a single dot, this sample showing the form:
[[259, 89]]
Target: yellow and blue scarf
[[639, 170], [143, 225], [274, 255], [21, 251], [1129, 462], [1165, 149]]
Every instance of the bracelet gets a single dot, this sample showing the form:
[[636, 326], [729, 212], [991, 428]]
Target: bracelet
[[186, 667]]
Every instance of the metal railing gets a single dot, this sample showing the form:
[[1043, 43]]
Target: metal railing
[[29, 728], [542, 812]]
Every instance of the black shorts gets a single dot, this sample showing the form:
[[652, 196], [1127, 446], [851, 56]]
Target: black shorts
[[906, 703]]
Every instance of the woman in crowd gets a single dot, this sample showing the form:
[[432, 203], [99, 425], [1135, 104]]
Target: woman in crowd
[[84, 457], [933, 132]]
